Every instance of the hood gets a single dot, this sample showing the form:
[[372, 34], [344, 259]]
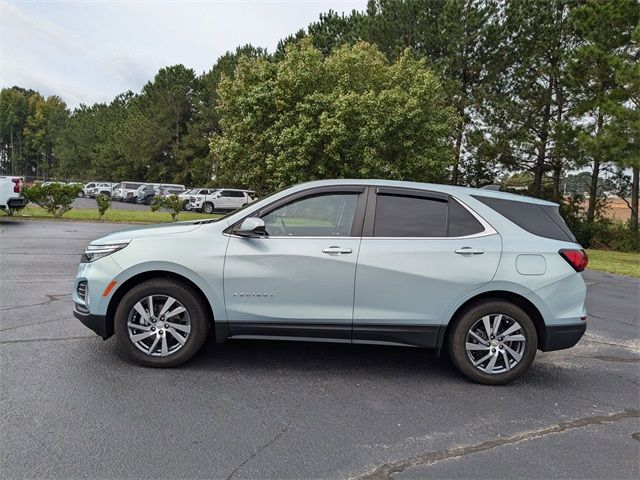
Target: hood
[[147, 231]]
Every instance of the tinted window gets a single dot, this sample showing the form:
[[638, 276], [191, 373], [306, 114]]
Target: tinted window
[[403, 216], [461, 222], [319, 216], [542, 220]]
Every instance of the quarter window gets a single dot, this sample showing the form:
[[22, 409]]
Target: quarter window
[[328, 215], [461, 222]]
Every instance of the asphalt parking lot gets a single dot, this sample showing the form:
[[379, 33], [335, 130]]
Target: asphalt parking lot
[[72, 406]]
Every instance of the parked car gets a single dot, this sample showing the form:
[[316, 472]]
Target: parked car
[[86, 189], [126, 192], [103, 188], [147, 191], [194, 192], [491, 277], [223, 199], [10, 190]]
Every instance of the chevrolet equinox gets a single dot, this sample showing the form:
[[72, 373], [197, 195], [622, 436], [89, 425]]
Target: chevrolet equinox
[[488, 276]]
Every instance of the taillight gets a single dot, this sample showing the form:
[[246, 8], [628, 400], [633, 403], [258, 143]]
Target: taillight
[[16, 185], [578, 259]]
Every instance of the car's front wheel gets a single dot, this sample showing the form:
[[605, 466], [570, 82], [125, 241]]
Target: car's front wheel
[[208, 208], [493, 342], [161, 323]]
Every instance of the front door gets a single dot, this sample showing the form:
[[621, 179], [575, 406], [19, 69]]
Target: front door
[[297, 281]]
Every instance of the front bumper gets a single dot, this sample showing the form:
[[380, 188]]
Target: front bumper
[[559, 337], [97, 323]]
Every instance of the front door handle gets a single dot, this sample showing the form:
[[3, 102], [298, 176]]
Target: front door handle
[[469, 251], [336, 250]]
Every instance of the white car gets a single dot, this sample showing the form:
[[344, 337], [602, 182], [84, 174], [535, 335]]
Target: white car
[[10, 198], [126, 192], [194, 192], [103, 188], [224, 199]]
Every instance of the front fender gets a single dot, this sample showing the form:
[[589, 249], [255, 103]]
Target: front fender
[[208, 288]]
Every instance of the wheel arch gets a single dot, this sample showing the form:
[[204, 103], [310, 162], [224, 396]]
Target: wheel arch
[[220, 327], [527, 305]]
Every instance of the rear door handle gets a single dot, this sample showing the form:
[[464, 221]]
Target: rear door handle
[[469, 251], [336, 250]]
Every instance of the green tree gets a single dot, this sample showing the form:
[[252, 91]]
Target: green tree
[[605, 29], [353, 114]]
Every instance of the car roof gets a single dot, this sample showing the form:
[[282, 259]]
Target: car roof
[[433, 187]]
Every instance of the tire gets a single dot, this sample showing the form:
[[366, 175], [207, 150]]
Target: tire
[[208, 207], [507, 366], [81, 193], [167, 351]]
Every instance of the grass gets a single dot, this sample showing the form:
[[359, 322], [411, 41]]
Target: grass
[[620, 263], [112, 215]]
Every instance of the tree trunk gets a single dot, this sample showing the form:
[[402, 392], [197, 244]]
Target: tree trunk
[[538, 169], [13, 154], [635, 184], [557, 173], [456, 165], [593, 187]]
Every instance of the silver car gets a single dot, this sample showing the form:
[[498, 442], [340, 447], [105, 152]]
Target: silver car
[[488, 276]]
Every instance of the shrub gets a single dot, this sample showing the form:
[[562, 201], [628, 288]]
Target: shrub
[[104, 203], [55, 198], [171, 203]]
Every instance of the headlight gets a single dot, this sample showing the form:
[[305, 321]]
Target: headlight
[[94, 252]]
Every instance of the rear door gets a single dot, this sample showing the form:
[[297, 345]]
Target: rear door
[[298, 281], [420, 252]]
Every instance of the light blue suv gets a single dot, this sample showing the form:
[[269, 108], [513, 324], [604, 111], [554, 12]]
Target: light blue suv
[[489, 276]]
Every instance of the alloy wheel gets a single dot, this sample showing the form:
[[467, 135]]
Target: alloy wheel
[[159, 325], [495, 343]]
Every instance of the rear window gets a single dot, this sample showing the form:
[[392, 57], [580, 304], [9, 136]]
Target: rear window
[[409, 216], [542, 220], [400, 216]]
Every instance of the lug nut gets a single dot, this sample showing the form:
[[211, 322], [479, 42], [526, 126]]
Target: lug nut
[[492, 337], [500, 338], [153, 329], [153, 320], [166, 326], [160, 332], [500, 347], [493, 350]]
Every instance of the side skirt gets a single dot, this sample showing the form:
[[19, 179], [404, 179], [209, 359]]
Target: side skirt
[[425, 336]]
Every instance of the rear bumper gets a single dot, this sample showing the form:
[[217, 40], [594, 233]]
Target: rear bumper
[[97, 323], [17, 202], [558, 337]]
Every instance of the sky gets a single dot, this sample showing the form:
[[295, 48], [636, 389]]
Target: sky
[[88, 51]]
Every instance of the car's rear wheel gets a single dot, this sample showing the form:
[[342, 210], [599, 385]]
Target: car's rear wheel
[[161, 323], [208, 207], [493, 342], [81, 193]]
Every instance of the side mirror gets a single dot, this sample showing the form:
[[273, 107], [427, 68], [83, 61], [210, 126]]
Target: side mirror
[[251, 227]]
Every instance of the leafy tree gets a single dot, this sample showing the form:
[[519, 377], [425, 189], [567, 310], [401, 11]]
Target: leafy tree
[[605, 29], [104, 203], [14, 110], [353, 114], [55, 198], [171, 203]]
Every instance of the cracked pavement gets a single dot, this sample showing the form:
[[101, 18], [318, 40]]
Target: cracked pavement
[[73, 407]]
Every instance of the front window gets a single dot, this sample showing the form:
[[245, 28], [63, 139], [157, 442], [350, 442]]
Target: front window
[[328, 215]]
